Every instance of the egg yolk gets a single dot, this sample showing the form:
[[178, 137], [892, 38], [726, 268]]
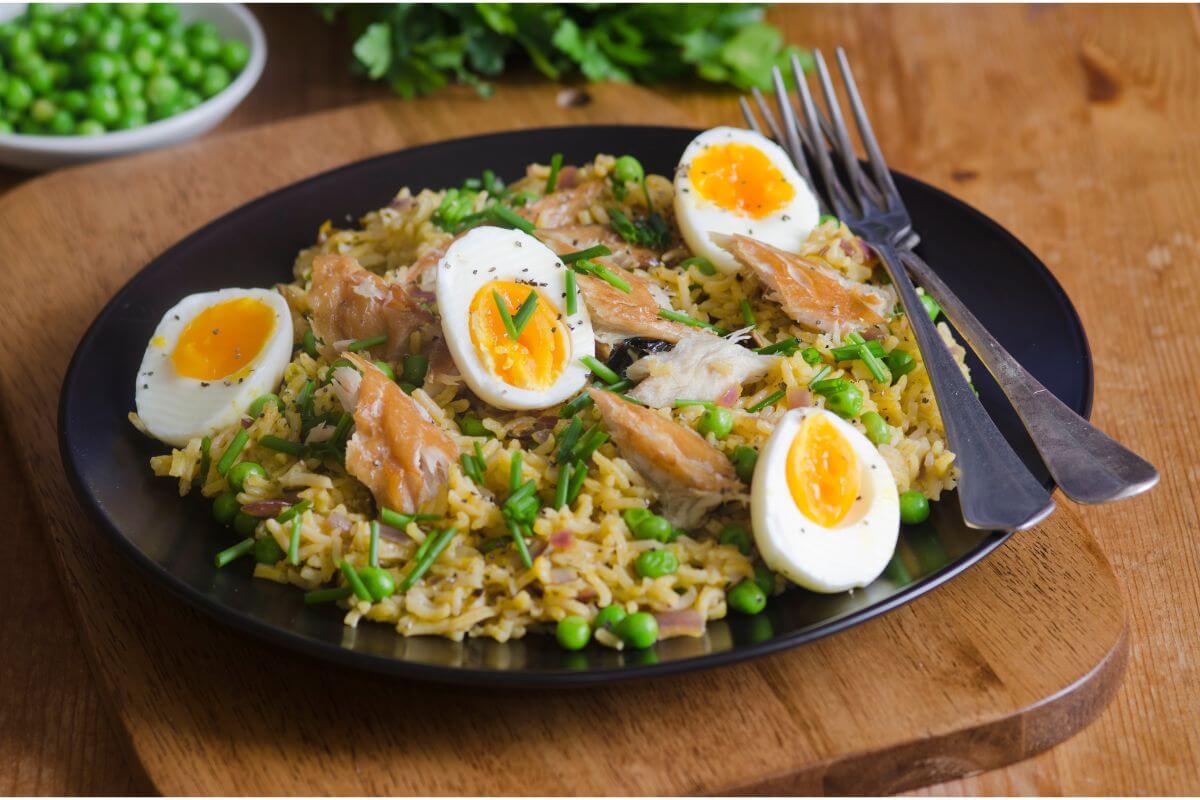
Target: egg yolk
[[223, 339], [534, 360], [739, 177], [822, 472]]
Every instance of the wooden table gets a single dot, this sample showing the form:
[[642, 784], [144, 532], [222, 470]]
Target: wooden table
[[1092, 163]]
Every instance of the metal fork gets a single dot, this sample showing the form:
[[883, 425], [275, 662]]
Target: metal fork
[[996, 490], [1087, 464]]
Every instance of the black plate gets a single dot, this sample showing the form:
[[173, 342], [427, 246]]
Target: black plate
[[174, 540]]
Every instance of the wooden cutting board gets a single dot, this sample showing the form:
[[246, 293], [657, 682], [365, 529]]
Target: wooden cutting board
[[1003, 662]]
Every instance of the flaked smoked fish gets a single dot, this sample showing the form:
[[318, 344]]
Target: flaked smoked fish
[[349, 302]]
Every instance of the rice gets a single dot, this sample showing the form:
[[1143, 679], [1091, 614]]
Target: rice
[[583, 554]]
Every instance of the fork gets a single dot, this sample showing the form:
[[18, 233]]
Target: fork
[[1087, 464], [996, 490]]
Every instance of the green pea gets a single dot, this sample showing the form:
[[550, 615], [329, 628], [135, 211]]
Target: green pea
[[39, 11], [62, 41], [737, 536], [931, 307], [5, 127], [655, 564], [629, 170], [143, 61], [201, 27], [21, 44], [191, 72], [189, 99], [471, 425], [225, 507], [241, 471], [89, 26], [416, 367], [60, 73], [268, 551], [386, 369], [206, 47], [379, 582], [42, 30], [245, 524], [747, 597], [877, 428], [764, 579], [717, 421], [638, 630], [62, 124], [846, 403], [169, 110], [826, 218], [652, 526], [132, 11], [162, 90], [136, 106], [42, 111], [102, 91], [129, 85], [97, 68], [215, 79], [609, 617], [260, 403], [744, 459], [811, 355], [90, 127], [150, 39], [633, 517], [914, 508], [899, 362], [19, 95], [175, 54], [129, 120], [105, 110], [137, 28], [74, 101], [110, 39], [162, 14], [573, 633], [235, 56]]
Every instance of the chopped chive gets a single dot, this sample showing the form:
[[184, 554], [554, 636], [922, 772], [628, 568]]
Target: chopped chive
[[519, 541], [354, 582], [343, 426], [854, 337], [364, 344], [233, 553], [811, 356], [787, 347], [700, 263], [591, 444], [525, 312], [601, 370], [309, 343], [394, 519], [306, 391], [205, 459], [620, 386], [876, 367], [373, 547], [821, 373], [568, 438], [470, 468], [850, 352], [748, 313], [514, 471], [578, 472], [416, 367], [509, 218], [769, 400], [318, 596], [294, 542], [680, 317], [564, 485], [232, 452], [552, 179], [294, 511], [686, 403], [575, 406], [572, 293], [595, 251], [829, 387], [281, 445], [521, 493], [427, 558], [505, 316]]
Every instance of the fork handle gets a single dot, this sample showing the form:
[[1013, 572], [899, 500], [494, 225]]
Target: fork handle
[[1087, 464], [995, 488]]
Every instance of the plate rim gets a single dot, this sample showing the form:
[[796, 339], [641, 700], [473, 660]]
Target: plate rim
[[535, 677]]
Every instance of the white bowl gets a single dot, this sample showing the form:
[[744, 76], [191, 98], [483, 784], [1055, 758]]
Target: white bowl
[[233, 21]]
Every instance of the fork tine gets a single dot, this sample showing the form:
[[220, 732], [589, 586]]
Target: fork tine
[[879, 168], [792, 129], [799, 78], [765, 111], [838, 199], [841, 141], [748, 114]]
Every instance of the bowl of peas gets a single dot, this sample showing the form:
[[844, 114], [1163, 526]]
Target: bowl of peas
[[86, 81]]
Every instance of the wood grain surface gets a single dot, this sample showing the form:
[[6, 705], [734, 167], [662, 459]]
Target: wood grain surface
[[1077, 128]]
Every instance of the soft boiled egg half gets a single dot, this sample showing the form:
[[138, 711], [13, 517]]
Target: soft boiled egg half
[[731, 180], [488, 269], [824, 505], [210, 357]]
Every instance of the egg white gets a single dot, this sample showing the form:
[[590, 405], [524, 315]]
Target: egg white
[[175, 408], [486, 254], [849, 555], [785, 228]]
